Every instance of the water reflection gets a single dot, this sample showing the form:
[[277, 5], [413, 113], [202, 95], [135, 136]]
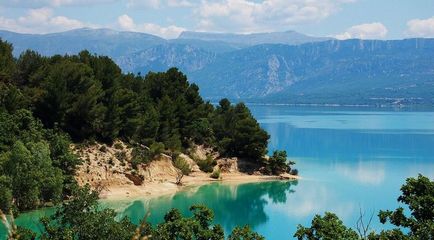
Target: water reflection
[[367, 173], [233, 204]]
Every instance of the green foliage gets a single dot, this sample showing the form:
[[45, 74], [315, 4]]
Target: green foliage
[[238, 133], [141, 154], [244, 233], [82, 218], [5, 194], [418, 195], [182, 165], [156, 148], [207, 165], [118, 146], [7, 62], [196, 227], [329, 227], [36, 165], [278, 163], [215, 174], [33, 177], [294, 172], [88, 97], [72, 96]]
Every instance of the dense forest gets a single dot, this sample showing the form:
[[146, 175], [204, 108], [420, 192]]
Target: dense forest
[[46, 103]]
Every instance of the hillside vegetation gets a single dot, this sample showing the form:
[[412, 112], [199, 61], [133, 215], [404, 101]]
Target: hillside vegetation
[[48, 102]]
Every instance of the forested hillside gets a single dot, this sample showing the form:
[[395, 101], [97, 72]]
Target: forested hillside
[[47, 102]]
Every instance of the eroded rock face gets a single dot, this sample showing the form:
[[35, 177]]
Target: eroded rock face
[[227, 165], [161, 169], [193, 165], [103, 165], [201, 152]]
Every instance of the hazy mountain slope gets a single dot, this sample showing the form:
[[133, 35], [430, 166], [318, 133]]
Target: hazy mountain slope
[[352, 71], [242, 40], [101, 41], [187, 58], [134, 52]]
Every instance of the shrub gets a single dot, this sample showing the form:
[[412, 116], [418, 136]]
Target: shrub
[[156, 148], [182, 165], [118, 146], [121, 156], [184, 168], [103, 148], [294, 172], [278, 163], [215, 174], [207, 165]]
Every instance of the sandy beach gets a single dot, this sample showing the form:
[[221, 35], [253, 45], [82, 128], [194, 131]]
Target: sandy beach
[[160, 188]]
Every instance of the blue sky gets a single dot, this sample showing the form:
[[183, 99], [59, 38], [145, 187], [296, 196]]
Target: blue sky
[[368, 19]]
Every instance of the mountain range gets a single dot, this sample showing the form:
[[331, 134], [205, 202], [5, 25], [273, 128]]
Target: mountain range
[[280, 67]]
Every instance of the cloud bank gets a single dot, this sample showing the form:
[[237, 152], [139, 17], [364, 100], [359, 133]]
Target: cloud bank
[[374, 30]]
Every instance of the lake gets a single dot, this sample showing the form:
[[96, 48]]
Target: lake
[[350, 160]]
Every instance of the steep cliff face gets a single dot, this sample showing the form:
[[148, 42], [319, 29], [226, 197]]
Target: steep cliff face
[[352, 71], [187, 58], [288, 37]]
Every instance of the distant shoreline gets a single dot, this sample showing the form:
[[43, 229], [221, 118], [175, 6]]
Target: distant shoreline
[[335, 105]]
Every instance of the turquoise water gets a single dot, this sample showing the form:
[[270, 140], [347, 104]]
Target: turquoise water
[[350, 159]]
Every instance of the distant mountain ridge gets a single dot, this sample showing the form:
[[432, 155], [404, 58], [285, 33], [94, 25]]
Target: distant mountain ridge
[[283, 67], [335, 72], [288, 37], [100, 41]]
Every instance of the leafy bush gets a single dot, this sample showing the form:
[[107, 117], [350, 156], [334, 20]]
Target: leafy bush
[[182, 165], [103, 148], [216, 174], [121, 156], [294, 172], [118, 146], [156, 148], [278, 163], [206, 165], [184, 168]]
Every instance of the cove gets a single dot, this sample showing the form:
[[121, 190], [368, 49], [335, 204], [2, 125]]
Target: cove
[[349, 158]]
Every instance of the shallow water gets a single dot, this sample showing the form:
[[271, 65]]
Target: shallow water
[[351, 159]]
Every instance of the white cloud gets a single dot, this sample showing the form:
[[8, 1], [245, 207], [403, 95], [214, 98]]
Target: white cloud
[[420, 27], [144, 3], [179, 3], [249, 15], [367, 173], [156, 4], [374, 30], [125, 22], [50, 3], [41, 20]]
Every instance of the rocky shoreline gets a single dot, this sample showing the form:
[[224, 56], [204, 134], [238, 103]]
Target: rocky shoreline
[[108, 169]]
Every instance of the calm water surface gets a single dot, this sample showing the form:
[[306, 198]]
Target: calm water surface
[[350, 159]]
